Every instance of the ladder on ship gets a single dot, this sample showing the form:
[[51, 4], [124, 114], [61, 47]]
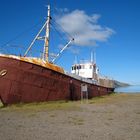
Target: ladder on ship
[[84, 93]]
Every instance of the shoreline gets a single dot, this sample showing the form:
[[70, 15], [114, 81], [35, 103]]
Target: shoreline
[[127, 93]]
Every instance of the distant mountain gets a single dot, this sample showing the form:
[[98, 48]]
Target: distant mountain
[[120, 84]]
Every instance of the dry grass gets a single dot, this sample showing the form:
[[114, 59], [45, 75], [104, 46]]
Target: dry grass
[[53, 105], [67, 105], [112, 98], [1, 105]]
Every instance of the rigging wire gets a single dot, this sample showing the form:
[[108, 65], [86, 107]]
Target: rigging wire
[[20, 34], [55, 29], [62, 29], [19, 51], [60, 34]]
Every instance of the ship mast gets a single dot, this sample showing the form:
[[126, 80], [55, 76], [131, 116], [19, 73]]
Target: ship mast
[[46, 39]]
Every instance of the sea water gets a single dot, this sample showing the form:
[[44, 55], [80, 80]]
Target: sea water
[[129, 89]]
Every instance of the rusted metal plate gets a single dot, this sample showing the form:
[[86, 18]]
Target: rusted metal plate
[[27, 82], [5, 86]]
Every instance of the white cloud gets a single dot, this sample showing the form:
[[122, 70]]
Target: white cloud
[[61, 10], [84, 28]]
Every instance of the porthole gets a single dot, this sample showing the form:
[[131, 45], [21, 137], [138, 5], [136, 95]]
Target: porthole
[[3, 72]]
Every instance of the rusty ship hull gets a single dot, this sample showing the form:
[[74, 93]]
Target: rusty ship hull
[[25, 82]]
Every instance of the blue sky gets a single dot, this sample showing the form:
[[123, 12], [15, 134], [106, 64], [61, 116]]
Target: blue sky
[[117, 38]]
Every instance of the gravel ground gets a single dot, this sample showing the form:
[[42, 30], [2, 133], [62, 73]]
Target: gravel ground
[[114, 117]]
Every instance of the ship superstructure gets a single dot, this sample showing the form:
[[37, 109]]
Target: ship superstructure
[[86, 69], [90, 70]]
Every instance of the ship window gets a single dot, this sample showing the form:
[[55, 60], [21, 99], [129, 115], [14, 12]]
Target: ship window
[[72, 68], [90, 66], [76, 67]]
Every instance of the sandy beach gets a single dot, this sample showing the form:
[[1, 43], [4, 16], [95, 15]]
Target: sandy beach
[[113, 117]]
